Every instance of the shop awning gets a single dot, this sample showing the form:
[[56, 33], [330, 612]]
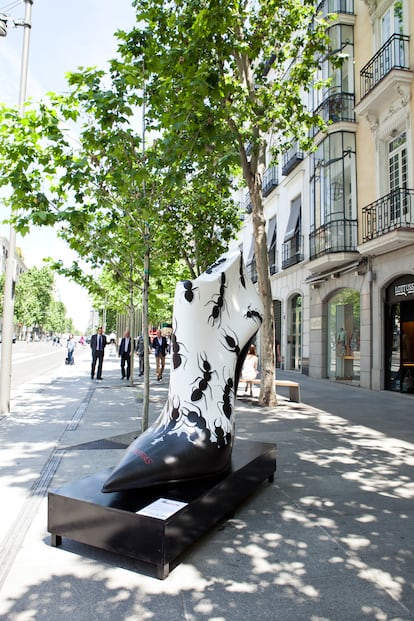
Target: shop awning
[[321, 277], [271, 230], [293, 219]]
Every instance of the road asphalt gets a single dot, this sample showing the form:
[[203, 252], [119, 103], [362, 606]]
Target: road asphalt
[[331, 539]]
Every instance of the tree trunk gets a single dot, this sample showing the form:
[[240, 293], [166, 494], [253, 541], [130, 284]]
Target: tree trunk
[[252, 173], [145, 333], [267, 396]]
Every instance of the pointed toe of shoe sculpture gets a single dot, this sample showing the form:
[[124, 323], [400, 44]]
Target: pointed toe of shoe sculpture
[[215, 318]]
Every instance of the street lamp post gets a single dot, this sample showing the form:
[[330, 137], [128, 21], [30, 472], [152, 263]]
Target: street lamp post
[[9, 284]]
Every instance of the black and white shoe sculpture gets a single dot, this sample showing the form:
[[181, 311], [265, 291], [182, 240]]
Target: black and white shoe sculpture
[[215, 318]]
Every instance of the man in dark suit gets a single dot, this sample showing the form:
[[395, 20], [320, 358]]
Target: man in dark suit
[[98, 344], [125, 354], [159, 345]]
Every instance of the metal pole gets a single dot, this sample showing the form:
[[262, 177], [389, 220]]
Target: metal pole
[[9, 284]]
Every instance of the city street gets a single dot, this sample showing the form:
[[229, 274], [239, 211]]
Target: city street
[[34, 359]]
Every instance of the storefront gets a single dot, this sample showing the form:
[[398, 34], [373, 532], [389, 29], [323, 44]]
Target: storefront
[[399, 335], [344, 336]]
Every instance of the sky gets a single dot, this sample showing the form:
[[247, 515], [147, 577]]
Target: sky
[[65, 35]]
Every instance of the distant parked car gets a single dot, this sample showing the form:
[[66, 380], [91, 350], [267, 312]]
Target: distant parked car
[[14, 338]]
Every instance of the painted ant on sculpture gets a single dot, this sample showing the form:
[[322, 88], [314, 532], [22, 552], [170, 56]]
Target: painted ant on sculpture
[[254, 314], [232, 343], [189, 290], [175, 409], [219, 431], [218, 302], [194, 419], [177, 356], [242, 279], [226, 404], [203, 382], [174, 413]]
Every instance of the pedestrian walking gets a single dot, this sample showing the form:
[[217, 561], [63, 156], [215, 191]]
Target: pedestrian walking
[[159, 345], [125, 354], [249, 369], [98, 344], [70, 345]]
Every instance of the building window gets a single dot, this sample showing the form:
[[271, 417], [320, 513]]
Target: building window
[[277, 314], [333, 195], [391, 21], [397, 170], [342, 85], [292, 244]]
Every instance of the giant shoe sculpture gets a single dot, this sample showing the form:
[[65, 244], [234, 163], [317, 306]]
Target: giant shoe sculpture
[[214, 320]]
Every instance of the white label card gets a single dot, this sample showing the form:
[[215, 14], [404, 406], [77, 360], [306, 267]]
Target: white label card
[[162, 508]]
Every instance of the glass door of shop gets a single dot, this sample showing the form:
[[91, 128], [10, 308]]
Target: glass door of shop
[[295, 336], [343, 355], [399, 343], [393, 349]]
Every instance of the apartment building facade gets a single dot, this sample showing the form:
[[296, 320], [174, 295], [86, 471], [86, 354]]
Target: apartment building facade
[[4, 253], [19, 266], [340, 221]]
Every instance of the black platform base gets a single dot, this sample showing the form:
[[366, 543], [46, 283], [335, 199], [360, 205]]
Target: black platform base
[[80, 511]]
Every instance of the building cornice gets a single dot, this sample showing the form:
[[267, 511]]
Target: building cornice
[[377, 7]]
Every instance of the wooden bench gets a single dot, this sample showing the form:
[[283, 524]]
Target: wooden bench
[[294, 388]]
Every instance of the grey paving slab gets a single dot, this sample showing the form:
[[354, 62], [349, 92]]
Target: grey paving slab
[[330, 540]]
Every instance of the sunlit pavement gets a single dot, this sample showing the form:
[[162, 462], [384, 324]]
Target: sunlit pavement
[[331, 539]]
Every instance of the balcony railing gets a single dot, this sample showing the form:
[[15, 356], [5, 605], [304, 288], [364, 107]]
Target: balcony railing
[[392, 55], [336, 108], [292, 251], [291, 159], [392, 212], [336, 236], [336, 6], [270, 180]]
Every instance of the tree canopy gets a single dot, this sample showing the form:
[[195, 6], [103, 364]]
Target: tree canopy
[[221, 86], [227, 84]]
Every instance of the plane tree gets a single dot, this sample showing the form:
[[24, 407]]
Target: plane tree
[[77, 163], [223, 76]]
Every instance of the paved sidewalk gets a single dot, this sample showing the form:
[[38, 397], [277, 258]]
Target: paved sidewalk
[[330, 540]]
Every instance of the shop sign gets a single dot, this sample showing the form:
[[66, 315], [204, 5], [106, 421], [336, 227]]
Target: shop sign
[[316, 323], [404, 290]]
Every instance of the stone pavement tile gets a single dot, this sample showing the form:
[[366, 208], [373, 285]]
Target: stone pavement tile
[[82, 583], [268, 562]]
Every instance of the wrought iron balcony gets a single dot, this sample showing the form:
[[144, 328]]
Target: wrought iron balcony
[[392, 55], [336, 6], [270, 180], [292, 251], [336, 108], [392, 212], [291, 159], [335, 236]]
